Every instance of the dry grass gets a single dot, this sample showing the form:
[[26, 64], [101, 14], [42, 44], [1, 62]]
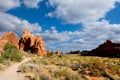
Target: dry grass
[[72, 67]]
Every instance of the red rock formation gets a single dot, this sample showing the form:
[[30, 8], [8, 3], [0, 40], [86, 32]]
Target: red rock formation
[[39, 46], [30, 42], [58, 52], [48, 51], [74, 52], [10, 37], [26, 41], [2, 45], [107, 49]]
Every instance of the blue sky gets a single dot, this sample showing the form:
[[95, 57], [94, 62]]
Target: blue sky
[[64, 24]]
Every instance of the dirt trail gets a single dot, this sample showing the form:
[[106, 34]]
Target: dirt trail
[[11, 74]]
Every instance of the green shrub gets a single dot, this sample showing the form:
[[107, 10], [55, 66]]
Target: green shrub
[[75, 66], [65, 74], [28, 67], [11, 53], [42, 76]]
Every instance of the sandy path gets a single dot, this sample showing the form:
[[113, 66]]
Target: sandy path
[[11, 74]]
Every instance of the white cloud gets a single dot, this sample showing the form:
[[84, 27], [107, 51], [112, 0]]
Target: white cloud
[[88, 14], [53, 36], [9, 22], [8, 4], [89, 38], [32, 3], [80, 11]]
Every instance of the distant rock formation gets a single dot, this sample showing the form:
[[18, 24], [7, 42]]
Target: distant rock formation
[[74, 52], [30, 42], [58, 52], [10, 37], [48, 51], [107, 49]]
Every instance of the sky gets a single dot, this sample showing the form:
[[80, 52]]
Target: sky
[[64, 24]]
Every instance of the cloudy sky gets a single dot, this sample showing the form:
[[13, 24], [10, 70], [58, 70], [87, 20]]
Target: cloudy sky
[[64, 24]]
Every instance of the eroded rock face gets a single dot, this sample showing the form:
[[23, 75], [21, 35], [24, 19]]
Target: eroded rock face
[[30, 42], [10, 37], [26, 41], [2, 45], [39, 46]]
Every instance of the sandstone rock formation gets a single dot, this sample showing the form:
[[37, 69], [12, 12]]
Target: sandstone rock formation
[[48, 51], [39, 46], [2, 45], [74, 52], [58, 52], [10, 37], [107, 49], [30, 42], [26, 41]]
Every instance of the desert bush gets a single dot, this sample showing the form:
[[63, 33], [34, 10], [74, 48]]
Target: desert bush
[[11, 53], [41, 76], [49, 54], [81, 70], [65, 74], [28, 67], [75, 65], [63, 68], [2, 67], [95, 69]]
